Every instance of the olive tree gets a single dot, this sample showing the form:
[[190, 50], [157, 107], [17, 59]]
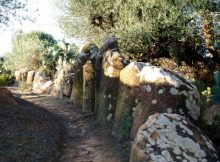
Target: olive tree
[[145, 28], [12, 11], [28, 51]]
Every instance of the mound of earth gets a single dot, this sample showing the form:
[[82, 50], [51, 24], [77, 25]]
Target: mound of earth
[[28, 132], [7, 98]]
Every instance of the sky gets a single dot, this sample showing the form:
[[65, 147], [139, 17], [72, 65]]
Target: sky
[[46, 21]]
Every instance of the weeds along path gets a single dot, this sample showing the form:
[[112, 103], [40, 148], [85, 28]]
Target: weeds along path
[[83, 139]]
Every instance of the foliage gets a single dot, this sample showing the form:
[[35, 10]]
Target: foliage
[[29, 49], [144, 27], [216, 88], [6, 79], [38, 50], [2, 69], [14, 10], [62, 50]]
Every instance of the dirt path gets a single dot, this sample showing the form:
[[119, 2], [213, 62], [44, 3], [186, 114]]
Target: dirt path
[[83, 139]]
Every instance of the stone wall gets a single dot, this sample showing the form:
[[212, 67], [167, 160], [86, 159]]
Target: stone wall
[[130, 98]]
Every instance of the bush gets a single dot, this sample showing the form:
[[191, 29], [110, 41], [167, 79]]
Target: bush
[[6, 79]]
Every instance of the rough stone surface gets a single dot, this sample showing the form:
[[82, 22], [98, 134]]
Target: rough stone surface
[[21, 75], [110, 43], [30, 77], [211, 117], [88, 52], [111, 65], [62, 84], [162, 91], [170, 138], [127, 98], [38, 82], [211, 114], [88, 87], [77, 87], [67, 87], [47, 87], [67, 80]]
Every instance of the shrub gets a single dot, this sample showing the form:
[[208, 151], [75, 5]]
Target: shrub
[[6, 79]]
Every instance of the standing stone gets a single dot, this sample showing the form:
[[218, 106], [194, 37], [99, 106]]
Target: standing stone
[[67, 87], [163, 91], [127, 98], [170, 138], [67, 80], [112, 65], [110, 43], [77, 87], [88, 52], [21, 77], [88, 87], [30, 77], [61, 85], [39, 80]]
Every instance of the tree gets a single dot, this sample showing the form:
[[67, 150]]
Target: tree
[[145, 28], [29, 50], [14, 10]]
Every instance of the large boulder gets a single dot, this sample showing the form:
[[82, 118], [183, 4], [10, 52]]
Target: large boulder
[[88, 87], [38, 82], [127, 99], [171, 138], [162, 91], [112, 64]]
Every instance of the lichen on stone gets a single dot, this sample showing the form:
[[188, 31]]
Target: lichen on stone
[[109, 117], [154, 101], [170, 138], [173, 91]]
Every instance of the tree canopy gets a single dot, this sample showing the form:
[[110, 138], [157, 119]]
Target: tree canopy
[[28, 50], [14, 10], [38, 50], [144, 27]]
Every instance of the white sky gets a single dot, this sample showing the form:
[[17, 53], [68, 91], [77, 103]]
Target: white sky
[[46, 22]]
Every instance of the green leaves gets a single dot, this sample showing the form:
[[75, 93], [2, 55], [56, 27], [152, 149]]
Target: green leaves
[[28, 50], [143, 26]]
